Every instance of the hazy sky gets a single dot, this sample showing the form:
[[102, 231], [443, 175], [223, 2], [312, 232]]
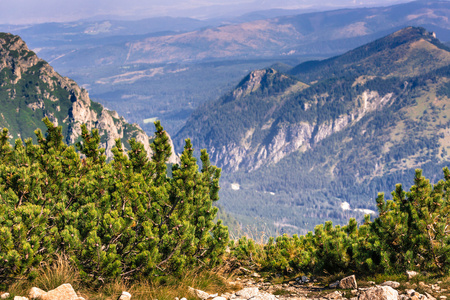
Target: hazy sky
[[39, 11]]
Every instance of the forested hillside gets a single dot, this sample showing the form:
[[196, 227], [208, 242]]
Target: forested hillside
[[323, 149], [30, 90]]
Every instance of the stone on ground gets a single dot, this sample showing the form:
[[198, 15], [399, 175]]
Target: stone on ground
[[62, 292], [411, 274], [199, 293], [348, 283], [334, 285], [247, 293], [264, 296], [334, 296], [125, 296], [36, 293], [392, 284], [379, 293]]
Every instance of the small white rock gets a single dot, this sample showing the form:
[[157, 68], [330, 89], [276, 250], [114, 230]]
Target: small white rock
[[125, 296], [411, 274], [4, 296]]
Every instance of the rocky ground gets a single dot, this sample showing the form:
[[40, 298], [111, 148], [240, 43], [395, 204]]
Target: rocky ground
[[251, 286]]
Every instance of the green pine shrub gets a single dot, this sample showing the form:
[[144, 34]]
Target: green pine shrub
[[124, 218], [412, 232]]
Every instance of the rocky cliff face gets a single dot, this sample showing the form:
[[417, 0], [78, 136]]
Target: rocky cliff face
[[32, 89], [287, 138]]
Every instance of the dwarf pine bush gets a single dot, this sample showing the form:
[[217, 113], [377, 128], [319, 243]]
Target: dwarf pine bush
[[123, 218], [412, 232]]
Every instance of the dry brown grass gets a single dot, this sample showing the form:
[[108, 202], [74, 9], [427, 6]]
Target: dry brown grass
[[59, 272], [161, 288]]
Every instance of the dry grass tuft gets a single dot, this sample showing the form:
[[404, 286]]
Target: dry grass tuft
[[59, 272], [62, 271]]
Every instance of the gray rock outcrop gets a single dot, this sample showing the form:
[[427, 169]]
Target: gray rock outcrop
[[286, 138], [67, 99]]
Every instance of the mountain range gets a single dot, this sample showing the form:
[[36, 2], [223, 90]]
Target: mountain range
[[321, 140], [166, 67]]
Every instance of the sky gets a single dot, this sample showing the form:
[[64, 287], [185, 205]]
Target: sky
[[41, 11]]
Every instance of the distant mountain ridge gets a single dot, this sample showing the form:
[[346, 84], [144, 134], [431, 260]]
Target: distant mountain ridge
[[298, 150], [166, 68], [371, 58], [31, 90], [275, 116], [311, 33]]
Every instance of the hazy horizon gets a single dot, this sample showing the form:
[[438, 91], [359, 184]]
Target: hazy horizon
[[17, 12]]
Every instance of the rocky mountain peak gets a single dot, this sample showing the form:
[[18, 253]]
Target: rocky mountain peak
[[32, 89], [264, 80]]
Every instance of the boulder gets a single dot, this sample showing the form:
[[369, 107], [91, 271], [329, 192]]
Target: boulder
[[62, 292], [20, 298], [392, 284], [348, 283], [379, 293], [4, 296]]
